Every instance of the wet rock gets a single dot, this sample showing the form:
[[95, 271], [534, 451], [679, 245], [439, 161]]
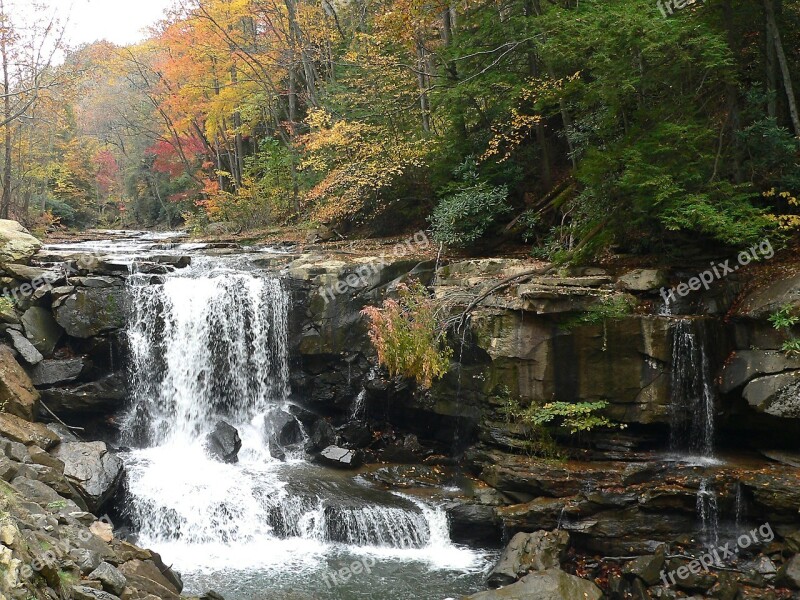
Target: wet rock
[[54, 372], [113, 581], [17, 245], [475, 524], [26, 350], [86, 560], [527, 552], [97, 281], [407, 449], [342, 458], [224, 443], [89, 311], [173, 260], [283, 428], [41, 329], [17, 394], [765, 300], [93, 469], [356, 434], [321, 436], [552, 584], [104, 396], [24, 432]]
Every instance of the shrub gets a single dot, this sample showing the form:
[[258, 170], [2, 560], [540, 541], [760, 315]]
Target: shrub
[[409, 335], [467, 208]]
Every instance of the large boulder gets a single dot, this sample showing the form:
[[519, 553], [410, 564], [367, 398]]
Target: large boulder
[[745, 365], [17, 394], [54, 372], [91, 311], [146, 576], [553, 584], [283, 428], [17, 245], [776, 395], [763, 301], [41, 329], [224, 443], [527, 552], [100, 397], [93, 470]]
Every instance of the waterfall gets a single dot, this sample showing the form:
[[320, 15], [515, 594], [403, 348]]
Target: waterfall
[[209, 343], [692, 390], [708, 513], [204, 348]]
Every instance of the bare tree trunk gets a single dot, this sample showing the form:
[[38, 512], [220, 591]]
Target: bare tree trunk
[[769, 8], [424, 104], [5, 201]]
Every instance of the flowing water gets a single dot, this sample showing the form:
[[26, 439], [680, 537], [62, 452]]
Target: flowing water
[[209, 343], [693, 398]]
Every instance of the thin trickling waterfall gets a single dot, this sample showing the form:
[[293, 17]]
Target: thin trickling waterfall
[[210, 343], [692, 390], [708, 513]]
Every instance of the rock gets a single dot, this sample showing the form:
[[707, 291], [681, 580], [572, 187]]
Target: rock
[[8, 468], [343, 458], [147, 577], [173, 260], [552, 584], [41, 329], [527, 552], [37, 275], [224, 443], [97, 282], [113, 581], [37, 491], [321, 436], [647, 568], [26, 350], [82, 592], [283, 428], [102, 530], [17, 394], [104, 396], [474, 524], [93, 469], [18, 430], [356, 434], [17, 245], [748, 364], [53, 372], [789, 573], [91, 311], [86, 560], [762, 302], [15, 451], [643, 280], [40, 457], [776, 395]]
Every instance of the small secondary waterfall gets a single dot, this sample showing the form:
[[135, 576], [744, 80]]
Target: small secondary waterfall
[[209, 343], [692, 390]]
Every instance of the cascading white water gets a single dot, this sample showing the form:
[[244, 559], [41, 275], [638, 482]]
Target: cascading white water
[[692, 389], [210, 343]]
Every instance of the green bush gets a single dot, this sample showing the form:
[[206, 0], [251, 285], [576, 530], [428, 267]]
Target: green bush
[[468, 208]]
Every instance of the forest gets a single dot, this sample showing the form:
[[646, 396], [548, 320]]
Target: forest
[[572, 126]]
